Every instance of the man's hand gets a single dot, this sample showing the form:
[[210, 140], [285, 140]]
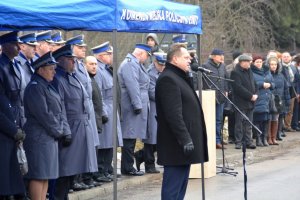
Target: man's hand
[[104, 119], [254, 97], [137, 111], [188, 148], [20, 135], [267, 85]]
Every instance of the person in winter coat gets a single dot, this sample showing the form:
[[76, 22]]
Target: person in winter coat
[[181, 130], [11, 181], [153, 42], [46, 124], [104, 80], [281, 89], [134, 82], [147, 153], [77, 105], [216, 65], [244, 96], [264, 83]]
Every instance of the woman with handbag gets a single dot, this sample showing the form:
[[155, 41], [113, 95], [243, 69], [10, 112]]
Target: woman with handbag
[[281, 92], [46, 125], [264, 82]]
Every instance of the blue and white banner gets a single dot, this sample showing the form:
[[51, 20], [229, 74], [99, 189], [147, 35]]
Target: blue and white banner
[[158, 16]]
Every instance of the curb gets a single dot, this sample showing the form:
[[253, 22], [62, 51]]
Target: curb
[[107, 189]]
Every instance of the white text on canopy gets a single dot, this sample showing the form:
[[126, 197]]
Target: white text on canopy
[[158, 15]]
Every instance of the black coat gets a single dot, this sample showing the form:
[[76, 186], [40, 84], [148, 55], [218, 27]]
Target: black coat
[[180, 119], [219, 71], [97, 102], [11, 181], [243, 87]]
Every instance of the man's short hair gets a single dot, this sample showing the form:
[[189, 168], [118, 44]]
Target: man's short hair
[[175, 49]]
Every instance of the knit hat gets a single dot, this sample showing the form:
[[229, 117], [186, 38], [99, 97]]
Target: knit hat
[[154, 36]]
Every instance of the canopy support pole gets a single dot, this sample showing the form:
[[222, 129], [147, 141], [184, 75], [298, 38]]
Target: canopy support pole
[[115, 110]]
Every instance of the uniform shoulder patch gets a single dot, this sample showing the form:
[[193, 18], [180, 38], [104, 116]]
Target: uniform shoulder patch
[[34, 83], [128, 59]]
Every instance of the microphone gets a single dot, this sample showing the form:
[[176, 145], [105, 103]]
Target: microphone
[[204, 70]]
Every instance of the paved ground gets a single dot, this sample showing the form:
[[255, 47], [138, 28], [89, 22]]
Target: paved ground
[[276, 179], [263, 178]]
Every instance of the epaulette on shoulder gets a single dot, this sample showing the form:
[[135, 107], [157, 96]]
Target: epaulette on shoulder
[[34, 83], [128, 59]]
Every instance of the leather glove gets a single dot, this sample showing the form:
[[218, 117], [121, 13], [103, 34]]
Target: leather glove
[[104, 119], [137, 111], [188, 148], [66, 140], [20, 135]]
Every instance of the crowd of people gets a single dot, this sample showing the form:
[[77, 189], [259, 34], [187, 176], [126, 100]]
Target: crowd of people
[[58, 103], [265, 89]]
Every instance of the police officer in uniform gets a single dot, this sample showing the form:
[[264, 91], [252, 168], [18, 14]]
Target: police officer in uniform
[[11, 183], [134, 83], [104, 79], [10, 75], [147, 154], [27, 52], [57, 41], [46, 124], [80, 156], [45, 44], [79, 49]]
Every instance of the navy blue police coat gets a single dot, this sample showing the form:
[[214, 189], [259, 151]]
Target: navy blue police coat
[[152, 123], [10, 79], [105, 82], [11, 181], [80, 156], [85, 80], [46, 123]]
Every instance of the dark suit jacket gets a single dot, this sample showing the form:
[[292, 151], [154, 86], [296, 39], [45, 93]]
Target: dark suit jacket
[[243, 87], [180, 119], [97, 102]]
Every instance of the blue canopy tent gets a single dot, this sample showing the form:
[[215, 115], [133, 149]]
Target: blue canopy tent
[[101, 15], [105, 16]]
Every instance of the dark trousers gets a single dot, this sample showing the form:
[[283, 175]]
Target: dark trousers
[[127, 158], [175, 181], [295, 118], [62, 186], [243, 129], [263, 127], [149, 150], [104, 158], [51, 188]]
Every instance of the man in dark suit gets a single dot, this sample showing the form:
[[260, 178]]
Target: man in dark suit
[[181, 132], [244, 96]]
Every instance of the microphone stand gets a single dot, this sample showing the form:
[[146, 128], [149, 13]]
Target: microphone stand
[[224, 170]]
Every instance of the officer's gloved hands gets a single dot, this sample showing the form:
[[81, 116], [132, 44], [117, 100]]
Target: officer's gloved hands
[[137, 111], [20, 135], [104, 119], [188, 148], [66, 140]]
